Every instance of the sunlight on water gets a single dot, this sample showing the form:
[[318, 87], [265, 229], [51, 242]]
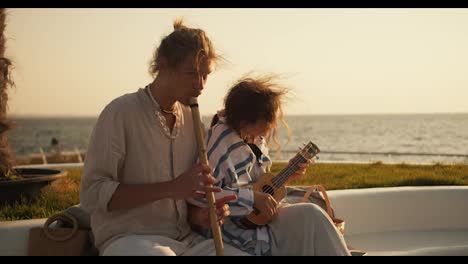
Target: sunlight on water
[[388, 138]]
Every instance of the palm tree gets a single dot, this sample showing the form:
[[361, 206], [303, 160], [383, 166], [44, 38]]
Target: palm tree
[[5, 83], [16, 183]]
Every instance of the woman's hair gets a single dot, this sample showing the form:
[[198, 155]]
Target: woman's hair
[[182, 43], [256, 99]]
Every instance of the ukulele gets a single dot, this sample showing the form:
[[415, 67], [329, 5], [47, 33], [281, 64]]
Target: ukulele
[[275, 185]]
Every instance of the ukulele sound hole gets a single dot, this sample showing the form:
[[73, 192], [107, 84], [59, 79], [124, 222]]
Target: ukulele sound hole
[[268, 189]]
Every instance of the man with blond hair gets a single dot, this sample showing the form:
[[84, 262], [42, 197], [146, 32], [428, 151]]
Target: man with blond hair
[[141, 163]]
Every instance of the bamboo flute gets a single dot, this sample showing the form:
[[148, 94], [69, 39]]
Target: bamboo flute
[[197, 127]]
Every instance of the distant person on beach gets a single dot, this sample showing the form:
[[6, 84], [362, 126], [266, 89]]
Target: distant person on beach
[[237, 147], [141, 162], [54, 146]]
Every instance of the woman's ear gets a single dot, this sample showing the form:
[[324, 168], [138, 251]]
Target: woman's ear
[[163, 64], [242, 126]]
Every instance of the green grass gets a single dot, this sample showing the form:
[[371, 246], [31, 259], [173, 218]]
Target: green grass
[[54, 198], [355, 176], [65, 192]]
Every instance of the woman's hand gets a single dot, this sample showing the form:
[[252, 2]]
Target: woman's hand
[[266, 204], [193, 183], [301, 169], [199, 217]]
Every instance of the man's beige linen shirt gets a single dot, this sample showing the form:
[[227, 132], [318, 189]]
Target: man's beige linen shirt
[[128, 145]]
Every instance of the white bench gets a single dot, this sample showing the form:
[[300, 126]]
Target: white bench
[[14, 236], [430, 220], [380, 221]]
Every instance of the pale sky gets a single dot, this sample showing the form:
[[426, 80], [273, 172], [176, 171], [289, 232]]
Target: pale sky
[[72, 62]]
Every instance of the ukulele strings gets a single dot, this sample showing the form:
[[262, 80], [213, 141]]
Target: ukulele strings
[[279, 180]]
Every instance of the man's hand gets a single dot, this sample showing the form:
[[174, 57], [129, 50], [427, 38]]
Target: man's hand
[[193, 182], [199, 217]]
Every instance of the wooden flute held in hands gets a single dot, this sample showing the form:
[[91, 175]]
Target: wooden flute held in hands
[[199, 133]]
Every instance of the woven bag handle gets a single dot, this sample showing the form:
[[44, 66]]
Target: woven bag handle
[[325, 196], [64, 217]]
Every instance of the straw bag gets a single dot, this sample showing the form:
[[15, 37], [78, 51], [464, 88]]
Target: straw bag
[[319, 191], [59, 241]]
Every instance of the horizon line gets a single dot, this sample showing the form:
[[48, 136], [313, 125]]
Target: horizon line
[[21, 116]]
